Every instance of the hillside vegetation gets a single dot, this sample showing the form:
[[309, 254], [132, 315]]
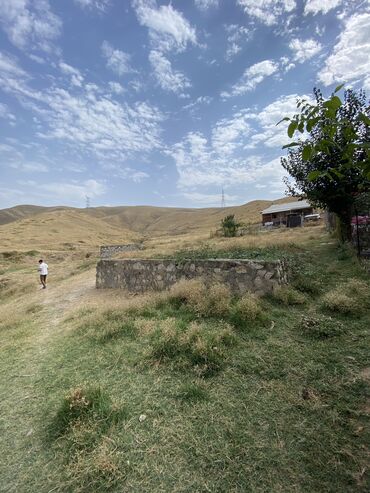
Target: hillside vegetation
[[53, 227], [191, 390]]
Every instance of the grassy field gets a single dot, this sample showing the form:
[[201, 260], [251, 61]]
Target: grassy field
[[189, 391]]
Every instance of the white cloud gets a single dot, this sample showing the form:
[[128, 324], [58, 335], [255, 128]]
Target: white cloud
[[268, 133], [169, 79], [252, 76], [118, 61], [225, 158], [87, 119], [9, 67], [319, 6], [206, 4], [116, 87], [350, 59], [201, 100], [101, 5], [6, 114], [267, 11], [75, 75], [75, 191], [304, 50], [31, 167], [168, 28], [230, 133], [222, 160], [236, 37], [30, 24], [131, 174]]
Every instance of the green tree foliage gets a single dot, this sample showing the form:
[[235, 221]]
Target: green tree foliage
[[230, 226], [330, 164]]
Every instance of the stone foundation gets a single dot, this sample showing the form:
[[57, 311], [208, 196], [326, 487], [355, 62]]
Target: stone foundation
[[140, 275]]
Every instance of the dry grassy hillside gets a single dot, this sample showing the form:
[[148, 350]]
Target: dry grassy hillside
[[33, 227], [60, 230]]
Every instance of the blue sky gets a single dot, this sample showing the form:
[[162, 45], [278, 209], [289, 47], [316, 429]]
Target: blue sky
[[163, 103]]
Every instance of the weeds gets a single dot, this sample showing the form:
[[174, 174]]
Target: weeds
[[80, 430], [320, 327], [247, 308], [287, 295], [202, 300], [349, 298], [201, 347], [84, 404]]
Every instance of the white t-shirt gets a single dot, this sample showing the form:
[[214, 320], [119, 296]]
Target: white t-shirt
[[43, 269]]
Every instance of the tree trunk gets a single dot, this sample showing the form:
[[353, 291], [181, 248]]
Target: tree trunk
[[344, 225]]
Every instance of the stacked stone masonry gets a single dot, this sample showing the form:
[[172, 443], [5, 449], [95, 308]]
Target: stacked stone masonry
[[108, 251], [140, 275]]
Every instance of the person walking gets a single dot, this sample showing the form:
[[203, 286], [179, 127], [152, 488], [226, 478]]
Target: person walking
[[43, 270]]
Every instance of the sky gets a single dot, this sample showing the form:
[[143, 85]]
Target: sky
[[166, 103]]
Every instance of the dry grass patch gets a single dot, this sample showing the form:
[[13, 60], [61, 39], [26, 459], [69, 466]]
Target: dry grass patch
[[80, 431], [287, 295], [350, 297], [247, 308], [200, 346], [204, 301]]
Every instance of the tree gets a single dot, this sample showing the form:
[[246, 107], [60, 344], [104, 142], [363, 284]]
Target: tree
[[331, 166], [230, 226]]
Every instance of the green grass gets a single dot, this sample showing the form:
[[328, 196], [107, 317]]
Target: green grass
[[164, 399], [251, 253]]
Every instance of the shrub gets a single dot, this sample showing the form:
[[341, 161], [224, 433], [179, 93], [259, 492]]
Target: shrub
[[337, 301], [206, 302], [247, 308], [357, 287], [319, 327], [83, 404], [200, 346], [111, 324], [289, 296], [350, 297], [80, 428]]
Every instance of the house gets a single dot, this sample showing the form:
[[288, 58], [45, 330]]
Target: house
[[290, 214]]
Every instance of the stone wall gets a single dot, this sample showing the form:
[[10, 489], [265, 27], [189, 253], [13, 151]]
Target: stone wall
[[140, 275], [107, 251]]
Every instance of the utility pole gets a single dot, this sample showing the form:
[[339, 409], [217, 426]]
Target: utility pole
[[87, 201], [223, 203]]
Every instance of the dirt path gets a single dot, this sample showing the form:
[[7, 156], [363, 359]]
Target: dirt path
[[59, 299]]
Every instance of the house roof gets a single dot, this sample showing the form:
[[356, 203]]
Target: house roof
[[288, 206]]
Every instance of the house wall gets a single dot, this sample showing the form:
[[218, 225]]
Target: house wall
[[278, 217]]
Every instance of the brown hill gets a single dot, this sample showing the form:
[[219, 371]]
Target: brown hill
[[32, 227]]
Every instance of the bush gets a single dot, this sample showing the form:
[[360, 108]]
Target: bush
[[357, 287], [205, 302], [247, 308], [80, 428], [350, 297], [109, 325], [319, 327], [83, 404], [337, 301], [289, 296], [199, 346]]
